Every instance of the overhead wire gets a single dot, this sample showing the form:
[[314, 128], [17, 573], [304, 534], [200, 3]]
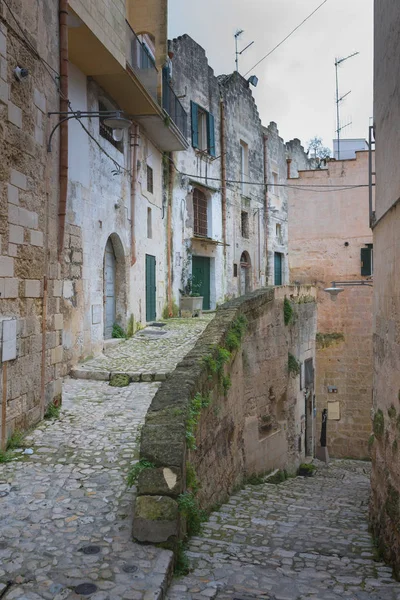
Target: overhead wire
[[287, 37]]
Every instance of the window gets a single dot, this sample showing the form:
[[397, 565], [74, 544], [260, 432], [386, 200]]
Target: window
[[149, 179], [245, 224], [106, 132], [203, 129], [235, 270], [244, 167], [149, 224], [367, 261], [275, 183], [278, 264], [308, 372], [278, 231], [200, 213]]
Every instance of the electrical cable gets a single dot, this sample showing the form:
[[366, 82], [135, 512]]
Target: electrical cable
[[287, 37]]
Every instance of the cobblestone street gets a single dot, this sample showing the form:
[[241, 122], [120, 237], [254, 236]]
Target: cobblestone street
[[65, 512], [306, 538]]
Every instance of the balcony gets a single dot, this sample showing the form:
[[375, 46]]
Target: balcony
[[173, 106], [141, 62]]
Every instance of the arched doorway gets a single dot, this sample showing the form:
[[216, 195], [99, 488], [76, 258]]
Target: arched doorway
[[245, 274], [114, 285]]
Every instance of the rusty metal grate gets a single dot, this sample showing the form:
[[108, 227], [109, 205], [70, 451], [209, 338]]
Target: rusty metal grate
[[200, 213]]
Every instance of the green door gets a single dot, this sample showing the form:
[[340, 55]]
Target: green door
[[150, 287], [278, 268], [201, 279]]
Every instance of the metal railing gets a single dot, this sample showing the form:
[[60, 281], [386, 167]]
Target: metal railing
[[172, 105], [141, 61]]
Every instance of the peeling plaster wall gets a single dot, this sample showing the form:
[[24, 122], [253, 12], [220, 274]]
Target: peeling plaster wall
[[319, 226], [29, 190], [385, 481]]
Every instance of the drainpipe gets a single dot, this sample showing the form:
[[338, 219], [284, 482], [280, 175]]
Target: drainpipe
[[266, 201], [134, 187], [62, 206], [223, 177], [169, 232]]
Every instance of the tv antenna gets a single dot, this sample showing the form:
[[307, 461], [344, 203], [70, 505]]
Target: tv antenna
[[339, 61], [237, 53]]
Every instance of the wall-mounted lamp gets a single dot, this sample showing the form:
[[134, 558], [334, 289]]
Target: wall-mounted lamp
[[115, 119], [334, 291], [253, 80], [20, 73]]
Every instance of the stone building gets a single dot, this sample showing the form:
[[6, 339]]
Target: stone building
[[385, 499], [30, 314], [330, 240]]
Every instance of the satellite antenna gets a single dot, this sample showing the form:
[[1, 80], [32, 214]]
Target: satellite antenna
[[339, 127], [237, 53]]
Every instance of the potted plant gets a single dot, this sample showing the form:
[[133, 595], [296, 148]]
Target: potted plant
[[191, 301]]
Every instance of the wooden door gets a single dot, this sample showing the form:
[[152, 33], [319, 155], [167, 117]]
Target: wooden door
[[150, 288], [201, 279]]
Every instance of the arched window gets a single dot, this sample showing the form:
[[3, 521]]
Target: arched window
[[200, 226]]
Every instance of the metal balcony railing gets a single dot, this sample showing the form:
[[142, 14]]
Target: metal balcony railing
[[171, 104], [141, 61]]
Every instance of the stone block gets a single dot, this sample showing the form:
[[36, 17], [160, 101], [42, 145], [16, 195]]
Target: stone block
[[56, 355], [93, 375], [13, 214], [14, 114], [12, 250], [2, 286], [11, 288], [57, 288], [3, 44], [12, 194], [6, 266], [16, 234], [58, 321], [27, 218], [68, 289], [4, 91], [3, 68], [39, 100], [36, 238], [162, 481], [18, 179], [39, 136], [156, 519], [32, 288]]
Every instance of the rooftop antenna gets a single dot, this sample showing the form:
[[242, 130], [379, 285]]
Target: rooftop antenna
[[237, 53], [339, 61]]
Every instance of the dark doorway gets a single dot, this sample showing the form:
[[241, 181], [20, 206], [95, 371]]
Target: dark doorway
[[278, 262], [201, 279], [150, 287]]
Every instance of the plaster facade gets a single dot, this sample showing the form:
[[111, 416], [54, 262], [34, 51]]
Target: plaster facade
[[385, 481], [327, 231], [30, 328]]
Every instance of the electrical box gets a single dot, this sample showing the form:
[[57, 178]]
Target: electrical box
[[332, 389], [334, 411], [8, 330]]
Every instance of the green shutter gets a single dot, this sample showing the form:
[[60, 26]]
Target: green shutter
[[366, 265], [210, 134], [195, 124]]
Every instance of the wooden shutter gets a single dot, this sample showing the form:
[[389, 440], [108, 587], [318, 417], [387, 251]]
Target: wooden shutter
[[211, 134], [366, 265], [195, 124]]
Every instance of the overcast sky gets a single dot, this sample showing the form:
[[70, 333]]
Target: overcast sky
[[297, 82]]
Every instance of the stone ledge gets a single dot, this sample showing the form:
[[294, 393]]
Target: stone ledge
[[82, 373]]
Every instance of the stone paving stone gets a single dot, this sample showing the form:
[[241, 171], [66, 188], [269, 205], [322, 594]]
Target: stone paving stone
[[151, 354], [304, 539]]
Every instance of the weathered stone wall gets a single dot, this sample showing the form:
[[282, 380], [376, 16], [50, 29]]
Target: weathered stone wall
[[28, 209], [250, 423], [385, 481], [326, 233]]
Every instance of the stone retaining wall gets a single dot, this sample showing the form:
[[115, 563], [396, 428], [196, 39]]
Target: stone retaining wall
[[252, 420]]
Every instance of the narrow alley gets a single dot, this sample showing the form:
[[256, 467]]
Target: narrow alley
[[305, 538], [65, 510]]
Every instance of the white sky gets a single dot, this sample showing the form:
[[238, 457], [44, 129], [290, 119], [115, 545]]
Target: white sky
[[297, 82]]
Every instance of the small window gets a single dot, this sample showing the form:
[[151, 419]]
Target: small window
[[107, 132], [200, 226], [203, 129], [245, 224], [278, 231], [275, 188], [235, 270], [308, 372], [367, 261], [149, 224], [149, 179], [244, 167]]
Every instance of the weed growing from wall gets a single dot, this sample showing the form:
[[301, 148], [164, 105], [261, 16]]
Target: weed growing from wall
[[287, 311], [52, 412], [196, 406], [324, 340], [392, 412], [136, 469], [293, 365], [379, 424], [175, 311], [16, 441], [371, 441], [118, 332], [189, 508]]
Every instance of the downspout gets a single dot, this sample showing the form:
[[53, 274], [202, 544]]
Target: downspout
[[134, 188], [169, 232], [64, 105], [266, 204], [223, 178]]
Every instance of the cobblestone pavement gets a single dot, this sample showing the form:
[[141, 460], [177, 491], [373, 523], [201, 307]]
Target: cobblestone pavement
[[150, 354], [306, 538], [71, 494]]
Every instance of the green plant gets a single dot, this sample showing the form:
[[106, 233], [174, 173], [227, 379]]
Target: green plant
[[136, 469], [195, 407], [391, 412], [167, 120], [5, 456], [182, 566], [16, 441], [175, 311], [118, 332], [287, 311], [293, 365], [306, 469], [236, 332], [191, 479], [130, 329], [254, 480], [191, 289], [371, 440], [119, 380], [189, 508], [324, 340], [226, 383], [52, 412], [379, 424]]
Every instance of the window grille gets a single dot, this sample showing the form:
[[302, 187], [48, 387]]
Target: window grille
[[149, 179], [106, 132], [200, 213]]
